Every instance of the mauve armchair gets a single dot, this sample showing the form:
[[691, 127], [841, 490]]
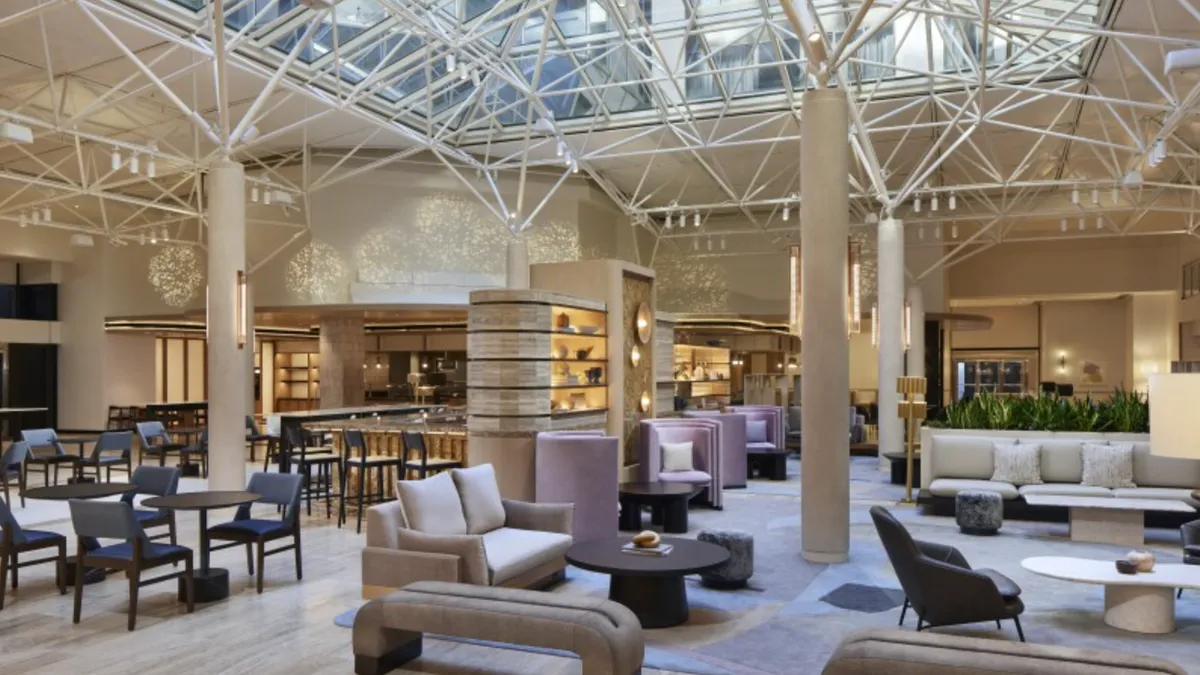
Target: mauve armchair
[[733, 445], [775, 427], [704, 435], [581, 468]]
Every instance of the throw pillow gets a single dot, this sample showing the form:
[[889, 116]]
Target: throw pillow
[[480, 498], [1109, 466], [1019, 464], [677, 457], [756, 431], [432, 505], [472, 558]]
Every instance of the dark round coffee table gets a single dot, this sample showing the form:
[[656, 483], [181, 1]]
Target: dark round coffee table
[[651, 586], [62, 493], [668, 503], [211, 583]]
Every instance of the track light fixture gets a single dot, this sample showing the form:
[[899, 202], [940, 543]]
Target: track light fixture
[[933, 203], [153, 236], [142, 238], [46, 213], [787, 211], [116, 159], [696, 219], [1075, 195], [1095, 195], [1099, 222], [710, 244], [151, 168], [560, 149], [1116, 194], [1082, 224], [916, 203], [166, 235], [451, 62], [667, 225], [464, 75], [475, 77], [133, 163], [1062, 226], [21, 220], [953, 201], [574, 165], [954, 230], [722, 243], [35, 217], [254, 193], [267, 196], [937, 232]]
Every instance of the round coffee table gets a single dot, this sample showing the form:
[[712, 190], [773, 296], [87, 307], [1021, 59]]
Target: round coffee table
[[651, 586], [1142, 603], [668, 503], [211, 583], [62, 493]]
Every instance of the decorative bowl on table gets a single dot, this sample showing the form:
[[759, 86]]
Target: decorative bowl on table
[[1126, 567], [1143, 560]]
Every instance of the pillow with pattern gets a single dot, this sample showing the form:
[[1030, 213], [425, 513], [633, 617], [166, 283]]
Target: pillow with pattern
[[1109, 466], [1017, 463]]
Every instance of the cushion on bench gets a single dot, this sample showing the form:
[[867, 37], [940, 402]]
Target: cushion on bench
[[948, 487]]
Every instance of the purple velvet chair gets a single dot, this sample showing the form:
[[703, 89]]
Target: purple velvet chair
[[733, 445], [768, 452], [703, 434], [580, 467]]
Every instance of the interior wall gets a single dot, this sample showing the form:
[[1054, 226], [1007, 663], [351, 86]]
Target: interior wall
[[1091, 336], [1154, 338], [1013, 327]]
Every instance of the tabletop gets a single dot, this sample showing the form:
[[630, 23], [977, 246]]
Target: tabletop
[[1090, 571], [1116, 503], [665, 490], [197, 501], [687, 557], [78, 439], [78, 491]]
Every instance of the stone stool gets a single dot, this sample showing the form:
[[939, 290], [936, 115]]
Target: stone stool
[[740, 567], [979, 511]]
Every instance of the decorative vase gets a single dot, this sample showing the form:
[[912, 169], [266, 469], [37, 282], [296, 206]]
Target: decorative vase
[[595, 374], [562, 320], [1143, 559], [582, 354], [561, 351]]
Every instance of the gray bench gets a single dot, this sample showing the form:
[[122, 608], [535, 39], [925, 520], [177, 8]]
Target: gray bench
[[388, 631]]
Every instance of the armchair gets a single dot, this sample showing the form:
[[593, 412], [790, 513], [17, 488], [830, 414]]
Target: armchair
[[703, 434], [580, 468], [733, 445], [939, 584], [1191, 545], [454, 526], [772, 416]]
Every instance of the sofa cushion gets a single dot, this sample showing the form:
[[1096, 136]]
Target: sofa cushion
[[512, 552], [1181, 494], [472, 563], [1109, 466], [756, 431], [684, 477], [948, 487], [480, 497], [677, 456], [432, 505], [965, 456], [1017, 463], [1062, 459], [1157, 471], [1065, 490]]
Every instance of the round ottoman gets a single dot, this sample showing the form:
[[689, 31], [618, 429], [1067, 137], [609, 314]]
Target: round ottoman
[[740, 567], [979, 511]]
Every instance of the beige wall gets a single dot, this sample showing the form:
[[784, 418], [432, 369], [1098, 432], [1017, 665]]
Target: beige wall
[[1013, 327], [1089, 334], [1153, 336]]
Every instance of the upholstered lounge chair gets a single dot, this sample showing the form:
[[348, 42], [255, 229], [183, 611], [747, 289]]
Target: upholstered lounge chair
[[733, 445], [704, 435], [580, 467]]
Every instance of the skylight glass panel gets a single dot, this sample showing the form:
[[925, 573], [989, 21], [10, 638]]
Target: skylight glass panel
[[244, 12], [350, 19]]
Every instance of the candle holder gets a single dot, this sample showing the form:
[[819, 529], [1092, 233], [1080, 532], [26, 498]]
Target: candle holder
[[911, 410]]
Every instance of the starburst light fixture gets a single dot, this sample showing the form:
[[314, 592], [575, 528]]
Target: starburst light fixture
[[175, 272]]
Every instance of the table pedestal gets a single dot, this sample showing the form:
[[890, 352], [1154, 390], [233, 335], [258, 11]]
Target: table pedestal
[[91, 575], [769, 465], [211, 586], [672, 515], [189, 470], [658, 602], [1141, 609], [1108, 526]]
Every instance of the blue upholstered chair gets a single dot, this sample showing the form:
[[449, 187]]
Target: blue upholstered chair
[[277, 489], [134, 553], [254, 436], [45, 451], [156, 442], [12, 463], [157, 481], [15, 541], [113, 450]]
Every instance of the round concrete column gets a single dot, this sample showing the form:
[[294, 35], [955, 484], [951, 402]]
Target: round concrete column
[[228, 370], [916, 345], [825, 351], [891, 332], [518, 264]]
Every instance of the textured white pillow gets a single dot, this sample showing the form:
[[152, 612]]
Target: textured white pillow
[[677, 457], [432, 505], [1019, 463], [756, 431], [480, 496], [1109, 466]]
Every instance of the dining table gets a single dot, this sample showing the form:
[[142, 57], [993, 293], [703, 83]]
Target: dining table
[[70, 491]]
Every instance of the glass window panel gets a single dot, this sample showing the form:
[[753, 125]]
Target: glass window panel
[[240, 17], [571, 17], [350, 19]]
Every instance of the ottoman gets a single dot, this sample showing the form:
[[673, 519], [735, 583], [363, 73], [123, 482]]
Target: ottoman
[[979, 511], [740, 567]]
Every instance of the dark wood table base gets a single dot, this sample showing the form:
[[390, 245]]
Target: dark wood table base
[[658, 602], [769, 465], [672, 516], [210, 586]]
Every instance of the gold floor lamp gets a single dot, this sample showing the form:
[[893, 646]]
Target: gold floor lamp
[[911, 410]]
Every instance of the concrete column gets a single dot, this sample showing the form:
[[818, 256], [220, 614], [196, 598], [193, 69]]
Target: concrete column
[[343, 350], [916, 346], [227, 369], [825, 351], [891, 332], [518, 264]]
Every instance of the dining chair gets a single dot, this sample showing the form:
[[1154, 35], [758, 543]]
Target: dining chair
[[414, 441], [305, 459], [14, 540], [156, 481], [135, 554], [352, 439], [199, 448], [13, 462], [113, 449], [254, 436], [41, 439], [277, 489], [156, 443]]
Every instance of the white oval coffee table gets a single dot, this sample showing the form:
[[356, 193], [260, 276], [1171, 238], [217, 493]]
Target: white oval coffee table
[[1142, 603]]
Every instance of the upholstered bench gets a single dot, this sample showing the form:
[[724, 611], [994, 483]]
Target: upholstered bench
[[388, 631]]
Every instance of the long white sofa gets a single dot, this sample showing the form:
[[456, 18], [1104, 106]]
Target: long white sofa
[[961, 459]]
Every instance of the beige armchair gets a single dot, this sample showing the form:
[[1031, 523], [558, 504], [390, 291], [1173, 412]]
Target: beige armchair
[[455, 527]]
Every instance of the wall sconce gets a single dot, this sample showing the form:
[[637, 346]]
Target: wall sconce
[[644, 403], [242, 329], [1062, 362], [635, 355], [853, 290], [906, 329]]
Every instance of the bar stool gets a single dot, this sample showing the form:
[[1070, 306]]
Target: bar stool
[[415, 440], [363, 463], [304, 459]]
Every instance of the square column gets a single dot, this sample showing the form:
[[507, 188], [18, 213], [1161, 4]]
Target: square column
[[343, 351]]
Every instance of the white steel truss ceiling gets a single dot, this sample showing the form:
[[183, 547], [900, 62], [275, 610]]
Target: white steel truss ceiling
[[1001, 112]]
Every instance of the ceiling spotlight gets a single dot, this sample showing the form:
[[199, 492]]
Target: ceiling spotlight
[[46, 213], [933, 203], [560, 149], [151, 168], [267, 196], [133, 163], [166, 236], [142, 238], [21, 220], [953, 201], [1075, 195], [954, 230], [1095, 195], [35, 217], [513, 216], [787, 211], [451, 62], [254, 193], [1099, 222], [474, 77], [153, 236], [696, 219], [917, 203], [668, 224], [1062, 226], [1082, 224], [574, 165], [1132, 179], [116, 159], [465, 73]]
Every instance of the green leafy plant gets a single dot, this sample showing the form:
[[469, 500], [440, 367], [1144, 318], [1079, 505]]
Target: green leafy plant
[[1126, 412]]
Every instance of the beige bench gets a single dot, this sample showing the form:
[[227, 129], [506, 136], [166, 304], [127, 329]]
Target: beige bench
[[388, 631], [897, 652]]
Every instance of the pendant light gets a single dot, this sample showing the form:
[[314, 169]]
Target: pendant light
[[668, 223], [46, 214], [787, 211], [953, 201], [116, 159], [133, 163], [696, 219]]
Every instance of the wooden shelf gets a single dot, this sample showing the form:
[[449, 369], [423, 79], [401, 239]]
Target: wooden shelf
[[581, 411], [567, 333], [555, 359], [578, 386]]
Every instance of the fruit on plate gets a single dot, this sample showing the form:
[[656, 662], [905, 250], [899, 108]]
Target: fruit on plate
[[646, 539]]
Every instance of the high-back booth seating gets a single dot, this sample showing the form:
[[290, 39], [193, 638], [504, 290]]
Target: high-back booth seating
[[704, 470], [580, 467], [733, 444]]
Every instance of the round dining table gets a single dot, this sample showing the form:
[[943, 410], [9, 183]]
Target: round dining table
[[70, 491]]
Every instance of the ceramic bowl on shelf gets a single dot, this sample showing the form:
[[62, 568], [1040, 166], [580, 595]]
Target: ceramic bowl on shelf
[[561, 352], [589, 330], [568, 329]]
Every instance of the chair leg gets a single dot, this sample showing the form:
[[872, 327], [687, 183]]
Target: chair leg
[[342, 494], [56, 473], [262, 545], [250, 558], [15, 568], [21, 481], [190, 583], [299, 567], [998, 626], [3, 576], [363, 476], [903, 611], [135, 575], [60, 568], [171, 527], [306, 484], [920, 624], [1179, 594], [1020, 633], [79, 570]]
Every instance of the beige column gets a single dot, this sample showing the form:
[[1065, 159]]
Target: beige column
[[890, 275], [227, 364], [916, 345], [343, 349], [517, 267], [825, 387], [248, 352]]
